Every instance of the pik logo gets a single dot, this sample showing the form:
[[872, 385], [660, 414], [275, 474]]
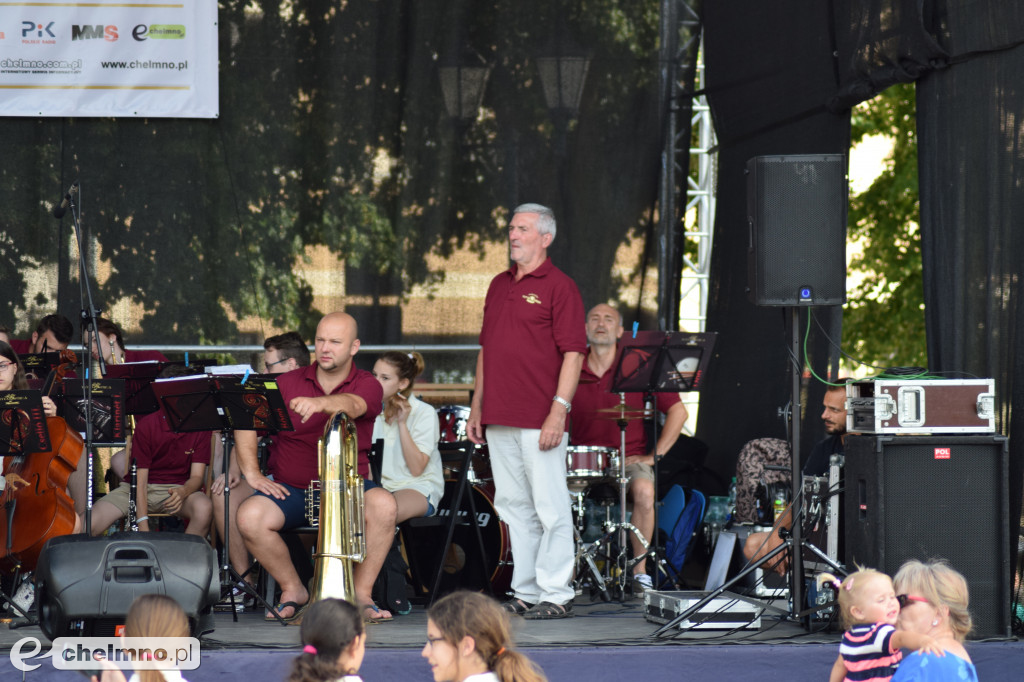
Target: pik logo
[[94, 32], [28, 27], [532, 298]]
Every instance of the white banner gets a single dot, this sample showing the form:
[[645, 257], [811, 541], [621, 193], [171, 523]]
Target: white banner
[[107, 58]]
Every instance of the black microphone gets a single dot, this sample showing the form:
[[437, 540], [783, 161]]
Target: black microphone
[[63, 208]]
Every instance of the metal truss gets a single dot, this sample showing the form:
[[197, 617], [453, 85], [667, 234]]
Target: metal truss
[[686, 208]]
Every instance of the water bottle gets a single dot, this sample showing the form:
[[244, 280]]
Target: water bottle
[[780, 505]]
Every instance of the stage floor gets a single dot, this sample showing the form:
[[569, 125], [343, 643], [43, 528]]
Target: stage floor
[[605, 641]]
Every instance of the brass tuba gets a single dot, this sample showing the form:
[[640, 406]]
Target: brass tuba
[[342, 528]]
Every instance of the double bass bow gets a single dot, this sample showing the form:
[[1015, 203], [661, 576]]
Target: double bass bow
[[35, 505]]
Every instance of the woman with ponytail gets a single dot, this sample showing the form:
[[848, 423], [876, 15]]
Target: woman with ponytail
[[333, 643], [411, 465], [468, 640], [156, 615]]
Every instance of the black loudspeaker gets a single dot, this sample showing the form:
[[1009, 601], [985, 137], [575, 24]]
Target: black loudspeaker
[[796, 214], [85, 586], [931, 497]]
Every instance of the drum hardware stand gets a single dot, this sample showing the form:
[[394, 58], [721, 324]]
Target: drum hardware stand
[[225, 404], [586, 552]]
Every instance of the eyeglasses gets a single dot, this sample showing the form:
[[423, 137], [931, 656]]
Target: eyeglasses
[[5, 365], [433, 640], [268, 365], [905, 599]]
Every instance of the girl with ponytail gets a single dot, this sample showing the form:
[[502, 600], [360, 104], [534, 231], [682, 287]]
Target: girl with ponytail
[[468, 640], [333, 643]]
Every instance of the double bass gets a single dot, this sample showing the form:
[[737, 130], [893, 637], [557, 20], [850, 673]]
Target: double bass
[[35, 505]]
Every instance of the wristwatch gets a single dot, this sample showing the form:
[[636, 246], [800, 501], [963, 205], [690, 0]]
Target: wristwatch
[[564, 403]]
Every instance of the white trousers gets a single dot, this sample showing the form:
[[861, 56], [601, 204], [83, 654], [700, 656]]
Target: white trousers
[[532, 497]]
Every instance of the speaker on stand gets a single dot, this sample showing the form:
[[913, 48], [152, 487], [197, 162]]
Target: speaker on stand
[[796, 214], [930, 497]]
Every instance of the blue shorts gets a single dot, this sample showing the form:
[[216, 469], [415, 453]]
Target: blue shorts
[[294, 504]]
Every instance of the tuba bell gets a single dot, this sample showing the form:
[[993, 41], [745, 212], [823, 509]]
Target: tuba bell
[[341, 536]]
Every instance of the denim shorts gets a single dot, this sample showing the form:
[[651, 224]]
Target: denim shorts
[[294, 504]]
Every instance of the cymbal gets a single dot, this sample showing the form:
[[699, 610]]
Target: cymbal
[[622, 412]]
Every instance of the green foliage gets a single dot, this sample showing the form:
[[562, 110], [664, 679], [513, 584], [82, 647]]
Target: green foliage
[[883, 323]]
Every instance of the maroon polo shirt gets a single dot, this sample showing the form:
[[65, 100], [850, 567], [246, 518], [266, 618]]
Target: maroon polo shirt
[[528, 326], [594, 393], [168, 455], [293, 454]]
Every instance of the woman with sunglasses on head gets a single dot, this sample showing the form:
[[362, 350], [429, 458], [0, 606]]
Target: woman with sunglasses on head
[[934, 601], [468, 640]]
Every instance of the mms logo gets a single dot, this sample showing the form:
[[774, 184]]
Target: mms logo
[[108, 33], [28, 27]]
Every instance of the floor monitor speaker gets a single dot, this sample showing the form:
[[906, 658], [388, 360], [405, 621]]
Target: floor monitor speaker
[[928, 497], [796, 214], [85, 585]]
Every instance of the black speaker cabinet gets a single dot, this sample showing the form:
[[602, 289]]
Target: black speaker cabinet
[[796, 214], [85, 586], [929, 497]]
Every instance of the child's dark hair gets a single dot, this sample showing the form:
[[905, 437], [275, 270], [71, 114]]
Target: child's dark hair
[[328, 628], [463, 613]]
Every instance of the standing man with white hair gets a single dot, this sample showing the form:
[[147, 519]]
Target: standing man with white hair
[[533, 343]]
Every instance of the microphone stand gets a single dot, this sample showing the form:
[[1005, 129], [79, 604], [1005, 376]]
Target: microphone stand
[[88, 317]]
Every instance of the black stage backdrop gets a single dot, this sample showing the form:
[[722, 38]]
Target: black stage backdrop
[[769, 73], [769, 67]]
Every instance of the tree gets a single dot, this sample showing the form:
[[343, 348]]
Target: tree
[[883, 322]]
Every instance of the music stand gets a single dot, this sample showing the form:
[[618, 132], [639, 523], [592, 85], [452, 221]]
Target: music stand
[[23, 431], [225, 404], [654, 362], [108, 410], [138, 379]]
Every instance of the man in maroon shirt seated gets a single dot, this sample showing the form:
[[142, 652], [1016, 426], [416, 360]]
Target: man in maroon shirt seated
[[53, 333], [589, 427], [111, 343], [170, 471], [313, 394]]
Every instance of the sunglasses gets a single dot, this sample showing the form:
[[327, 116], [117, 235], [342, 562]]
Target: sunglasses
[[905, 599]]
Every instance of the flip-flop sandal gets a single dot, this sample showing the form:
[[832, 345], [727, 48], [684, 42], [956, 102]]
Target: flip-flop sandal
[[549, 611], [283, 605], [517, 607], [381, 619]]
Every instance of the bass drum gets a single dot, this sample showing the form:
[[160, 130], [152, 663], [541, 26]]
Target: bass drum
[[462, 562]]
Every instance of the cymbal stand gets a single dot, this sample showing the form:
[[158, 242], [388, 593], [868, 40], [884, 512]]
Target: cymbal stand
[[623, 527]]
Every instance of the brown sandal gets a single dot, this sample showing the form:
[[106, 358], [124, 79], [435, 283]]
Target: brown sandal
[[517, 607]]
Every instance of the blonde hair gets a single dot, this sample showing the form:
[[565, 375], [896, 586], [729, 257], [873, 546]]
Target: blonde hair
[[471, 614], [155, 615], [850, 591], [942, 585]]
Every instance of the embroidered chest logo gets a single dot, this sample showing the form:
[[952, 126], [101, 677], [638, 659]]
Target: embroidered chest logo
[[531, 298]]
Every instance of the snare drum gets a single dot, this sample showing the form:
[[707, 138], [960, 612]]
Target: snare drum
[[452, 420], [586, 464]]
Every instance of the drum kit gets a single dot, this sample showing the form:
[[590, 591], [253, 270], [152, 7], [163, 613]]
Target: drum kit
[[586, 467]]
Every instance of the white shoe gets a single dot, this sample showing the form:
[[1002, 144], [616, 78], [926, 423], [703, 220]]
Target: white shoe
[[641, 583]]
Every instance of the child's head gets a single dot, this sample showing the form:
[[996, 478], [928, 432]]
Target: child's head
[[333, 642], [865, 596]]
